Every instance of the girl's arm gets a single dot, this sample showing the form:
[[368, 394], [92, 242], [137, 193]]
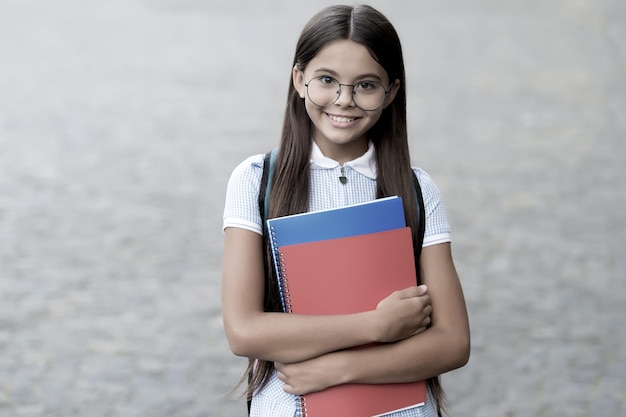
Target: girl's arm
[[289, 338], [443, 347]]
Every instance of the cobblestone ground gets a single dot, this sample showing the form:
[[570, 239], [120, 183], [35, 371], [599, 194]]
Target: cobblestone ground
[[120, 122]]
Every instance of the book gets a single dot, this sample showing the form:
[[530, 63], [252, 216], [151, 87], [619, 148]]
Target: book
[[346, 275], [369, 217], [350, 275]]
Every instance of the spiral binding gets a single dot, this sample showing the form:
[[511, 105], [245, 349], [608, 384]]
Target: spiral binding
[[287, 307], [281, 272], [303, 410]]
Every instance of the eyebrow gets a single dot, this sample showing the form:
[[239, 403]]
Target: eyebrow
[[360, 77]]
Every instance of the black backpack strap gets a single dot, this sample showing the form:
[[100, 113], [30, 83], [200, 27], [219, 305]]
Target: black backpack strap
[[266, 184], [263, 187], [421, 218]]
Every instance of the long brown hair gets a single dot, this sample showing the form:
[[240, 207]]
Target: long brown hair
[[290, 186]]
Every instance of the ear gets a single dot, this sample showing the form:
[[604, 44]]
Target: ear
[[393, 90], [298, 81]]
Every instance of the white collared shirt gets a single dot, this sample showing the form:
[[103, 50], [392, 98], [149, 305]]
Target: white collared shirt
[[364, 164]]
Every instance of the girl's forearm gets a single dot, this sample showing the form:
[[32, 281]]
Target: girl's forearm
[[289, 338], [420, 357], [280, 337]]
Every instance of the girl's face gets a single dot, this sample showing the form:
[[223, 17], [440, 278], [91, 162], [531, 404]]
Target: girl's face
[[339, 128]]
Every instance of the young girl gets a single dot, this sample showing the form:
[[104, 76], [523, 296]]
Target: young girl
[[344, 141]]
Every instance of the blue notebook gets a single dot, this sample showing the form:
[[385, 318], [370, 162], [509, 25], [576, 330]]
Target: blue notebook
[[370, 217]]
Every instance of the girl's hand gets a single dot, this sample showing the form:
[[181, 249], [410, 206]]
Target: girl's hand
[[403, 314], [313, 375]]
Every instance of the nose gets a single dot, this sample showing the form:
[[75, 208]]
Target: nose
[[346, 95]]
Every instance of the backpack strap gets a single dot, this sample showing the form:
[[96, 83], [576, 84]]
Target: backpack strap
[[266, 185], [421, 220]]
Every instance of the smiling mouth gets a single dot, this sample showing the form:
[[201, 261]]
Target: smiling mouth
[[341, 119]]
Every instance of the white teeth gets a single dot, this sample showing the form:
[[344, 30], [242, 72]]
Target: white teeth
[[339, 119]]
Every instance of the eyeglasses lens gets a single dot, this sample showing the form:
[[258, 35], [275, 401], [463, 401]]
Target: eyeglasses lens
[[324, 91]]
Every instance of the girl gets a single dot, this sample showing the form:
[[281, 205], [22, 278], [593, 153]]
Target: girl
[[346, 117]]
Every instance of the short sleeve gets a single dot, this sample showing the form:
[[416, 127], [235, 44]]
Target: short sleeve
[[241, 208], [437, 226]]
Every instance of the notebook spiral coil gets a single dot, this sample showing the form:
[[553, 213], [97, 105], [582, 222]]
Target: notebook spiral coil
[[286, 297], [303, 410], [281, 272]]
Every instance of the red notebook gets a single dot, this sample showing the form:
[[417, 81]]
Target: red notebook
[[349, 275]]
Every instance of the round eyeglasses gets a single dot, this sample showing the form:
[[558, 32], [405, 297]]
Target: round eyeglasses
[[324, 91]]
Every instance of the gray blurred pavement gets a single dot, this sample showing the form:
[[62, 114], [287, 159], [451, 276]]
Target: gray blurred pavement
[[120, 122]]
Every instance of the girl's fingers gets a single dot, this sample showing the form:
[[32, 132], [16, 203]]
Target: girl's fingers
[[414, 291]]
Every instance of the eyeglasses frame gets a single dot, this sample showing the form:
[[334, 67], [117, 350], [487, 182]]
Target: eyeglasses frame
[[353, 86]]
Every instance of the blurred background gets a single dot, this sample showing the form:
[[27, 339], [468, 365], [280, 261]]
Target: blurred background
[[120, 122]]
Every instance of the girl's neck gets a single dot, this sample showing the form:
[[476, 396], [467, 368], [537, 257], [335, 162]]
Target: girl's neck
[[345, 152]]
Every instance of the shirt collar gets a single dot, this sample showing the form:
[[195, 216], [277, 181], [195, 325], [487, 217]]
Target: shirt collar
[[364, 164]]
